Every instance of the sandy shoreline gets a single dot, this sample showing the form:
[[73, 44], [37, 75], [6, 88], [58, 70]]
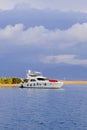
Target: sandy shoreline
[[64, 81], [9, 85], [74, 81]]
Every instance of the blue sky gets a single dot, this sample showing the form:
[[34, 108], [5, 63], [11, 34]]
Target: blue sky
[[48, 36]]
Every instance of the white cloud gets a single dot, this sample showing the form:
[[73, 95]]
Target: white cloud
[[41, 38], [5, 5], [68, 59], [65, 5], [11, 4], [11, 31], [39, 35]]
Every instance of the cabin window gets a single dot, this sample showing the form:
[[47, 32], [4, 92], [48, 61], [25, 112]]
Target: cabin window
[[30, 84], [41, 79], [34, 84], [32, 80], [27, 84], [45, 84]]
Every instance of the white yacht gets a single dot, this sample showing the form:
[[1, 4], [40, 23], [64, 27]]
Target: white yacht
[[37, 80]]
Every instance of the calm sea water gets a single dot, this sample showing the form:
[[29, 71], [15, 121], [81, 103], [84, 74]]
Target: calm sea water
[[44, 109]]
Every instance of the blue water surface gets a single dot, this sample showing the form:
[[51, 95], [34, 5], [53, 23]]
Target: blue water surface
[[44, 109]]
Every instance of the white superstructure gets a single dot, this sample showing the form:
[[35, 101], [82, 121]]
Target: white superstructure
[[36, 80]]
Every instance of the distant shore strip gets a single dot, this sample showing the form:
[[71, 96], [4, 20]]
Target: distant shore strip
[[66, 82], [9, 85], [74, 81]]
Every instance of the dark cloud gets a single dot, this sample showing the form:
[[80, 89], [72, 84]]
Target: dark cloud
[[47, 18]]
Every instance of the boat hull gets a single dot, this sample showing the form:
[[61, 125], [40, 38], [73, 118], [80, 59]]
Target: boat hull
[[42, 85]]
